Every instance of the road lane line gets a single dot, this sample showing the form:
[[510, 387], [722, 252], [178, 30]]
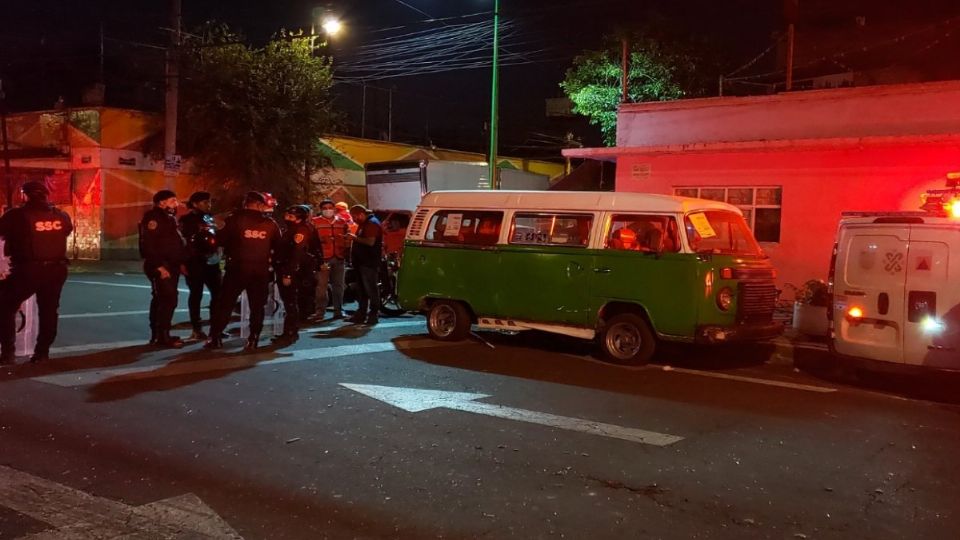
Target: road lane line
[[236, 361], [124, 285], [84, 347], [753, 380], [96, 314]]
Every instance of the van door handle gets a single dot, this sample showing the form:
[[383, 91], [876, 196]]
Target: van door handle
[[883, 303], [603, 270]]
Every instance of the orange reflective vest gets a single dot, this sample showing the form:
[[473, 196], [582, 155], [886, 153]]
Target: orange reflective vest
[[331, 233]]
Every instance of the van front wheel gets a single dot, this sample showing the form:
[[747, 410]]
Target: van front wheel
[[448, 321], [627, 339]]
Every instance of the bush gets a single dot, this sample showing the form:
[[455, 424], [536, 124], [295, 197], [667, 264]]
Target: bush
[[814, 292]]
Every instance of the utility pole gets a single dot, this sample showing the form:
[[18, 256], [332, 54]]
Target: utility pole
[[6, 147], [791, 12], [173, 85], [494, 90], [624, 70], [390, 114], [101, 53], [363, 112]]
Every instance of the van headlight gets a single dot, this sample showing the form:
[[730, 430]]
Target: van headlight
[[725, 299]]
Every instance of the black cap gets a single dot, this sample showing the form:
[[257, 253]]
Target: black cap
[[199, 196], [35, 186], [162, 195], [302, 211]]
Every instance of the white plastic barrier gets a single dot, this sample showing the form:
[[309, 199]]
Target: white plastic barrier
[[26, 321], [272, 321]]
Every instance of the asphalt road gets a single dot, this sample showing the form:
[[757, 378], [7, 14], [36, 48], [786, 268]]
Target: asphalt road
[[523, 436]]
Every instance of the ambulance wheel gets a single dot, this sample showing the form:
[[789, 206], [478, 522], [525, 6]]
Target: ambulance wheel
[[448, 321], [627, 339]]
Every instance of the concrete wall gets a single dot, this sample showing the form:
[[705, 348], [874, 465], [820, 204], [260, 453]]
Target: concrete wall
[[818, 184], [894, 110]]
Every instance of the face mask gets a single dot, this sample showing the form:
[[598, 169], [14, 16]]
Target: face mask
[[328, 213], [172, 210]]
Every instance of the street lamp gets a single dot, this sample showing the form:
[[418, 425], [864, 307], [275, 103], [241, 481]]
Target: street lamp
[[332, 26]]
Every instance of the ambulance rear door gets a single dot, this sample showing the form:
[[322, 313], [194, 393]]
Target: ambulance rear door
[[932, 310], [870, 274]]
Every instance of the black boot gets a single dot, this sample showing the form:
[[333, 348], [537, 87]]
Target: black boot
[[170, 342], [215, 342], [39, 356], [252, 342], [154, 337]]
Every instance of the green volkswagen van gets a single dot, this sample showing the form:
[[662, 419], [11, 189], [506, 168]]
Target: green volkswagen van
[[627, 269]]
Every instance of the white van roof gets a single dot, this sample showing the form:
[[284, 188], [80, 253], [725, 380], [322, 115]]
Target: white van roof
[[570, 200], [894, 218]]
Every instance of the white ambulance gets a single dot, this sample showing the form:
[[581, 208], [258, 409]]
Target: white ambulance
[[895, 280]]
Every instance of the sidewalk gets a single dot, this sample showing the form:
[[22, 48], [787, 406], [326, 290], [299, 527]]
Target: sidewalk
[[793, 346]]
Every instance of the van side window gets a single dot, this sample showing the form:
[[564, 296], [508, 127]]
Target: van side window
[[647, 233], [551, 229], [465, 227]]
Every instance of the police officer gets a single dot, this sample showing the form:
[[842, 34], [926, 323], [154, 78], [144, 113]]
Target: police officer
[[250, 238], [203, 257], [290, 260], [164, 254], [35, 237], [366, 254]]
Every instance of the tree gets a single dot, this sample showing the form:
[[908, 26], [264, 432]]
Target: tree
[[655, 74], [251, 118]]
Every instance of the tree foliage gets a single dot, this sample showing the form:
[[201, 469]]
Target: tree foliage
[[656, 73], [251, 117]]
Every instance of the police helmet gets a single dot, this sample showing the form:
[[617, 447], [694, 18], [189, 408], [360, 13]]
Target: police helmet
[[205, 240], [261, 197]]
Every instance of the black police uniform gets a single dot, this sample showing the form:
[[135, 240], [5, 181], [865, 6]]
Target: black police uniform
[[35, 239], [292, 257], [249, 240], [203, 262], [161, 244]]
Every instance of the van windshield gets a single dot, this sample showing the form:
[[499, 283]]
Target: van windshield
[[720, 232]]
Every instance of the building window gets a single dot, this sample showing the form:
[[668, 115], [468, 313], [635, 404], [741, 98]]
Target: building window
[[465, 227], [551, 229], [760, 205]]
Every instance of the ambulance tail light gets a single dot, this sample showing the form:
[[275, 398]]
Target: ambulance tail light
[[855, 314]]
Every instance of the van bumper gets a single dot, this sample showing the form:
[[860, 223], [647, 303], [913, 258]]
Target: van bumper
[[728, 334]]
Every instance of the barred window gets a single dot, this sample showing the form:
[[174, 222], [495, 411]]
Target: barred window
[[761, 206]]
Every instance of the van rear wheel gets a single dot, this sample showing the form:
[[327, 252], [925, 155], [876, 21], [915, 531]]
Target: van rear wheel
[[448, 321], [627, 339]]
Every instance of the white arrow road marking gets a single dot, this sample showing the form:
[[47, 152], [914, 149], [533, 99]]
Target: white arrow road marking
[[237, 361], [416, 400], [75, 514]]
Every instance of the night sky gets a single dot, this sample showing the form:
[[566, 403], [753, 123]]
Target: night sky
[[50, 48]]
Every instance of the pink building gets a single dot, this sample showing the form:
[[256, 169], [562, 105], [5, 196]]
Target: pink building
[[793, 162]]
